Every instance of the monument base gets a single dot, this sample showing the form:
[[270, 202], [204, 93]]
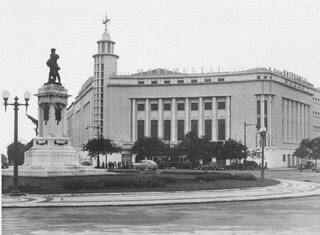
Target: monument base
[[53, 156], [48, 152]]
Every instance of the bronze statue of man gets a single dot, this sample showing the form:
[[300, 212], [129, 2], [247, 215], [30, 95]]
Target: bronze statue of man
[[54, 67]]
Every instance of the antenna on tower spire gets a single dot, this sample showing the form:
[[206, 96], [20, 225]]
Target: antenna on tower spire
[[105, 21]]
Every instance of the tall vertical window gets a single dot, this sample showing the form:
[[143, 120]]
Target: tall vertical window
[[208, 129], [258, 114], [140, 107], [180, 129], [265, 107], [154, 107], [140, 127], [221, 105], [103, 47], [180, 106], [207, 105], [258, 107], [221, 129], [194, 106], [194, 126], [154, 128], [102, 67], [166, 129], [167, 106]]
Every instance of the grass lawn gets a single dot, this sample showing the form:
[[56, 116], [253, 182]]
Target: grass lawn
[[184, 186], [161, 181]]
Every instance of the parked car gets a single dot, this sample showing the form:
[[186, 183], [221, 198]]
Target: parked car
[[210, 166], [145, 165], [308, 165], [86, 163], [316, 168]]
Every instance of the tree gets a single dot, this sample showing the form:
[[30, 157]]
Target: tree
[[95, 147], [303, 151], [19, 153], [194, 147], [314, 148], [148, 147], [234, 150]]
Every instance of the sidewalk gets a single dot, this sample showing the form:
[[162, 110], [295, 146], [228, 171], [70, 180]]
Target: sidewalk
[[286, 189]]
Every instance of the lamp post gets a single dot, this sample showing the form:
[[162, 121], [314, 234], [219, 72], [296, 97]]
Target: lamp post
[[15, 104], [262, 132]]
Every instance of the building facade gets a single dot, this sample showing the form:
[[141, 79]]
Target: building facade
[[218, 105]]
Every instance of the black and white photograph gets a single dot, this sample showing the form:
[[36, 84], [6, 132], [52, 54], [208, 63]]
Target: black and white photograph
[[160, 117]]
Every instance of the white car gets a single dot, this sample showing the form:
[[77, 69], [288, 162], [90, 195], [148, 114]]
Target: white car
[[145, 165]]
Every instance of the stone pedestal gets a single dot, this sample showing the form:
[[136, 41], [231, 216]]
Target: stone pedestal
[[52, 153]]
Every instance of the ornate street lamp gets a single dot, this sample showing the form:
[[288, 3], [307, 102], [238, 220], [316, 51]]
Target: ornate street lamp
[[262, 133], [15, 104]]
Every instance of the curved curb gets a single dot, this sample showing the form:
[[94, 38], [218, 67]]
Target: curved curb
[[286, 189]]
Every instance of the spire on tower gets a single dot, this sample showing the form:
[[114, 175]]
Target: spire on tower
[[105, 21]]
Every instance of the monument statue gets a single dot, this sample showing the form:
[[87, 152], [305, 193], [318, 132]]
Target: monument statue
[[54, 68]]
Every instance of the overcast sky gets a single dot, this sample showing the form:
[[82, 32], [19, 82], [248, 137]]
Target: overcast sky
[[149, 34]]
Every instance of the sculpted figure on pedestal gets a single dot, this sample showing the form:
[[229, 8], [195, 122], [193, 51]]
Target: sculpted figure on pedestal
[[54, 68]]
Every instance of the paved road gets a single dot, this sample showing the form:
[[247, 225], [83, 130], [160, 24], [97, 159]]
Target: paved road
[[288, 216]]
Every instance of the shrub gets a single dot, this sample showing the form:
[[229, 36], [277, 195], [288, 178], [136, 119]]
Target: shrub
[[145, 181], [244, 176], [214, 176], [184, 172], [178, 165]]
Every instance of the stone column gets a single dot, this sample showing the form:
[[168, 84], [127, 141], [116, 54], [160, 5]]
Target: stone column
[[262, 124], [303, 120], [173, 120], [270, 120], [40, 122], [187, 119], [307, 121], [200, 127], [214, 118], [134, 121], [51, 121], [64, 121], [147, 121], [298, 122], [228, 117], [160, 126], [294, 119], [285, 120], [290, 121]]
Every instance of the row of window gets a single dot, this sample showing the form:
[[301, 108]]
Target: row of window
[[316, 114], [264, 77], [180, 81], [316, 128], [97, 67], [181, 129], [97, 74], [316, 100], [181, 106], [286, 82]]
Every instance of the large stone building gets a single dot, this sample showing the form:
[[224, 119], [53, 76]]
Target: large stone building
[[168, 104]]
